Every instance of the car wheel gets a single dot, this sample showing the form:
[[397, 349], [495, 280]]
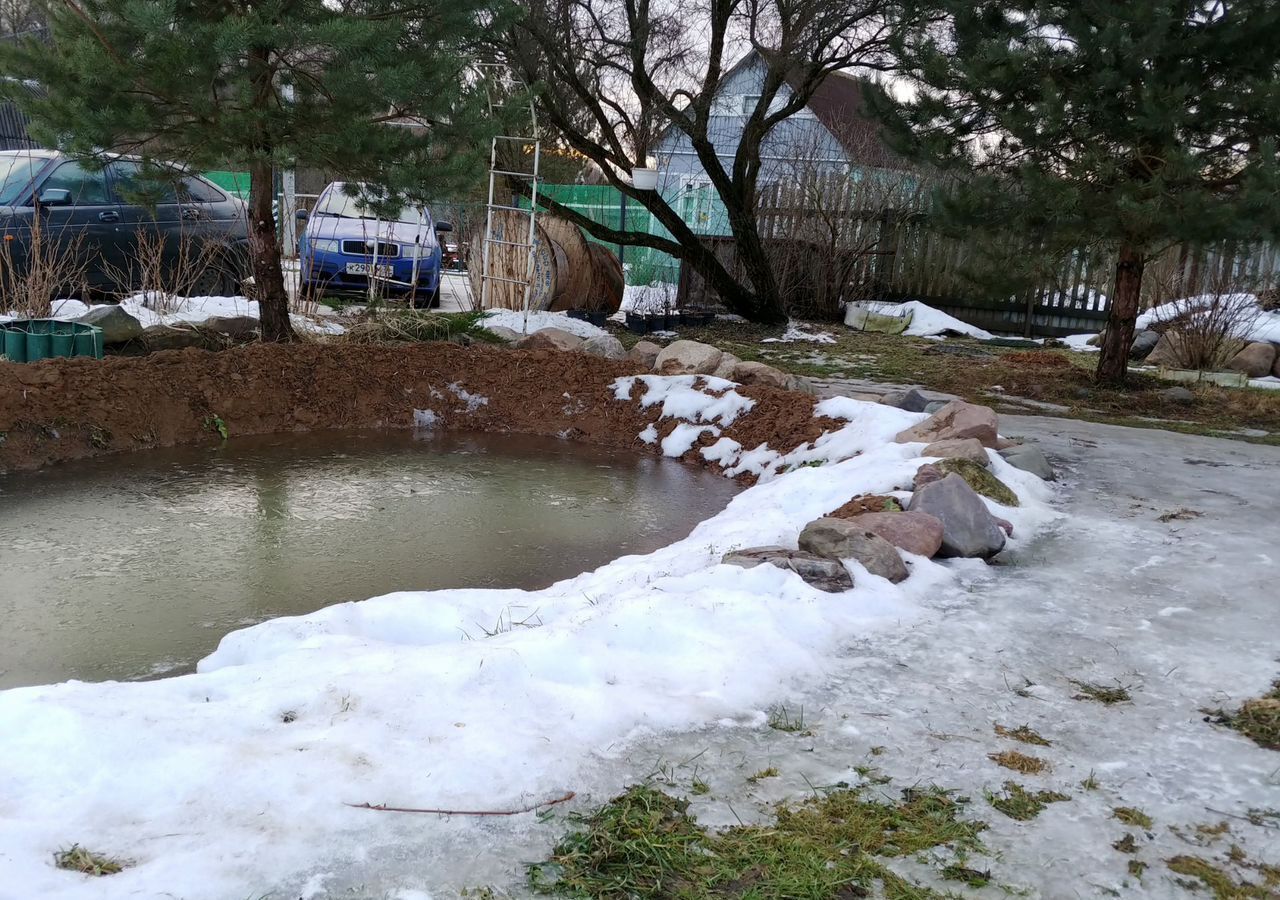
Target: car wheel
[[427, 301], [213, 282]]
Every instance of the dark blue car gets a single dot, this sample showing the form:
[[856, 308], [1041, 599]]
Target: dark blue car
[[346, 244]]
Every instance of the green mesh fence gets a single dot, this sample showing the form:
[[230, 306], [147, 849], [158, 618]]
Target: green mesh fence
[[700, 208]]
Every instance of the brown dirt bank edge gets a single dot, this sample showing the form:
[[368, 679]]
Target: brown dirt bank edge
[[64, 409]]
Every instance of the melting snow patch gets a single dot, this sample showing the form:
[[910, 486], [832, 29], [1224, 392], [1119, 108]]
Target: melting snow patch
[[927, 321], [683, 436], [515, 320], [649, 435], [695, 398], [473, 401], [797, 331], [425, 418]]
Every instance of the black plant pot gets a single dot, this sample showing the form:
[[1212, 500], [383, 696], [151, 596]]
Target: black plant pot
[[596, 317], [637, 323]]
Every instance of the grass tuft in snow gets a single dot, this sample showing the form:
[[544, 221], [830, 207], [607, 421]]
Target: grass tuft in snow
[[1101, 693], [1126, 844], [781, 719], [1024, 734], [1132, 816], [645, 844], [1219, 882], [1019, 762], [1257, 719], [771, 772], [971, 877], [79, 859], [981, 480], [1018, 803], [1091, 783]]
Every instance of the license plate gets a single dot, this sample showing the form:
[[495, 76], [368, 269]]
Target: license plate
[[369, 269]]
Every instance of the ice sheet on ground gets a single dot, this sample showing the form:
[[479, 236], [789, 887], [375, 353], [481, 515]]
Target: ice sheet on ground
[[442, 699], [1080, 342], [515, 320], [927, 321]]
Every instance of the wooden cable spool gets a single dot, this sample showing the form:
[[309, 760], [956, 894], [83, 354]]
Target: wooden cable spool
[[607, 279], [510, 261], [576, 276]]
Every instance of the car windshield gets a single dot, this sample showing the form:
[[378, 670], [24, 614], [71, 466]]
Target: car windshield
[[16, 171], [338, 203]]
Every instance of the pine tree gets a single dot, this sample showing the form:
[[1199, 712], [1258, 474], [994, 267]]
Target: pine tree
[[372, 90], [1128, 123]]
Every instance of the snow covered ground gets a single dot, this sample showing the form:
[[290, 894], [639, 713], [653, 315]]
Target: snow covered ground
[[515, 320], [234, 781], [188, 311], [1257, 324]]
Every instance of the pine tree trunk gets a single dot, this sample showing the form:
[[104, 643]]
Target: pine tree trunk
[[264, 252], [1113, 363]]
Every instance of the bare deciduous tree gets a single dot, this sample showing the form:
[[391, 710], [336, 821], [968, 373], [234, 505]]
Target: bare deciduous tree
[[612, 76]]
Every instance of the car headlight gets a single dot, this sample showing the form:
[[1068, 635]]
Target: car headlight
[[324, 245]]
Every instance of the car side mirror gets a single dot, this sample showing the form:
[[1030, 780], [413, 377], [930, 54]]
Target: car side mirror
[[54, 197], [301, 215], [444, 226]]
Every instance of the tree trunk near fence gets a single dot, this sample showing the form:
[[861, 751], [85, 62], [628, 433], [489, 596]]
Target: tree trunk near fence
[[1113, 363], [264, 253]]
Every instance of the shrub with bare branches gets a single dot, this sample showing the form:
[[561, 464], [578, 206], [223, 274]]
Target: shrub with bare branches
[[37, 267], [1206, 330], [165, 272]]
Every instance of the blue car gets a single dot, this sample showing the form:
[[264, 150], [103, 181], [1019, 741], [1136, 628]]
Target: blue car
[[345, 245]]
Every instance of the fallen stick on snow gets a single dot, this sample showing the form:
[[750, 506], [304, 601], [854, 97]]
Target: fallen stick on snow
[[379, 807]]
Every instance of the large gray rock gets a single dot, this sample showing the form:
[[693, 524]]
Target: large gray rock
[[957, 419], [170, 337], [550, 339], [728, 362], [1029, 458], [828, 575], [645, 353], [849, 539], [958, 448], [1255, 360], [968, 529], [508, 335], [688, 358], [605, 345], [914, 532], [118, 327], [231, 326], [1143, 343], [911, 400], [1167, 352], [1177, 395], [760, 373]]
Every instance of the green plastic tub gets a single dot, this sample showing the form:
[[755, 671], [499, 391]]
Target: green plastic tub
[[31, 340]]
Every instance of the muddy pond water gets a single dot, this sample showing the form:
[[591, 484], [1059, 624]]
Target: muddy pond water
[[134, 566]]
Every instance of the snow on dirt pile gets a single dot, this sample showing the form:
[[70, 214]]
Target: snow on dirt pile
[[234, 781], [1255, 324]]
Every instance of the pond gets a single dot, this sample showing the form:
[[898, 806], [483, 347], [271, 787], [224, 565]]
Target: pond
[[134, 566]]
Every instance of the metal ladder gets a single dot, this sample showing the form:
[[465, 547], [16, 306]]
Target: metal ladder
[[492, 72]]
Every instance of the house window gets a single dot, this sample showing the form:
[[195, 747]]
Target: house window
[[749, 102]]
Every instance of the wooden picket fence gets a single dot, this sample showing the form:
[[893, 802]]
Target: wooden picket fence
[[836, 240]]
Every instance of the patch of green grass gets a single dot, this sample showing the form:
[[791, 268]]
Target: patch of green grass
[[971, 877], [1018, 803], [1024, 734], [980, 479], [771, 772], [1101, 693], [645, 844], [1132, 816], [1257, 719], [1219, 882], [1136, 868], [699, 787], [1091, 783], [79, 859], [215, 423]]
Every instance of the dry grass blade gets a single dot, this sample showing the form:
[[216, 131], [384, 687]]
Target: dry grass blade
[[78, 859], [1024, 734], [1019, 762]]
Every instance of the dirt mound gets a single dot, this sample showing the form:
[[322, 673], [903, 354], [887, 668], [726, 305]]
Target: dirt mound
[[62, 409]]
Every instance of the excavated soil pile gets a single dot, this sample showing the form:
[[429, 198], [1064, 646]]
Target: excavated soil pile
[[61, 409]]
